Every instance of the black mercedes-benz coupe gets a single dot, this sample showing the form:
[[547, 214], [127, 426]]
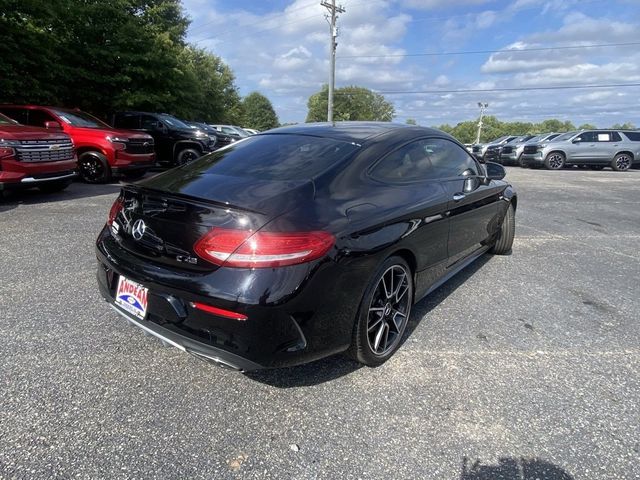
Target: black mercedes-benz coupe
[[301, 242]]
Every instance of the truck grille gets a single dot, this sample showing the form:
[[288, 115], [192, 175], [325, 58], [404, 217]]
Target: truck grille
[[507, 149], [34, 151], [476, 149], [530, 149], [492, 153], [139, 147]]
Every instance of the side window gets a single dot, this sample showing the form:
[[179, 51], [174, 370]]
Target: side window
[[38, 117], [131, 122], [147, 122], [633, 136], [425, 160], [450, 160], [17, 114], [588, 137], [603, 136], [615, 137]]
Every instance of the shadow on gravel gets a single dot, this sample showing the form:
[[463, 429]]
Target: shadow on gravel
[[74, 191], [338, 366], [513, 469], [314, 373]]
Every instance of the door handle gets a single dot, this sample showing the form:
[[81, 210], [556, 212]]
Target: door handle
[[458, 196]]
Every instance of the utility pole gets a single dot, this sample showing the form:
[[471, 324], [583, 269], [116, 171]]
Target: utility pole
[[483, 107], [333, 30]]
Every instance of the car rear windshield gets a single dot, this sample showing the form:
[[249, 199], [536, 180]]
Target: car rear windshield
[[80, 119], [274, 157]]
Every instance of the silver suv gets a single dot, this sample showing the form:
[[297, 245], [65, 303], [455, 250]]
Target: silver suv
[[511, 151], [593, 148]]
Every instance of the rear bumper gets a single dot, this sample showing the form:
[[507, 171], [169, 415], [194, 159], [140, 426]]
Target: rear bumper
[[294, 315], [198, 349]]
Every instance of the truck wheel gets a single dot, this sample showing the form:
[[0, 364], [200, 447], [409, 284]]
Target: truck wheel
[[55, 186], [187, 155], [94, 168], [554, 161], [621, 162]]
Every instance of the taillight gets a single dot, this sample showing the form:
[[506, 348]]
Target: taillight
[[241, 248], [6, 152], [116, 208]]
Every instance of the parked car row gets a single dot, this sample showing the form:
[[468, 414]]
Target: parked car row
[[132, 144], [597, 149]]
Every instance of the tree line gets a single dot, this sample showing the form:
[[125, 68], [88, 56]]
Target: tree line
[[493, 128], [108, 55]]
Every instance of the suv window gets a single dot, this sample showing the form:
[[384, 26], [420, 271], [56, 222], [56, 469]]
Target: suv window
[[426, 159], [587, 137], [148, 122], [20, 115], [130, 121], [633, 136], [38, 117]]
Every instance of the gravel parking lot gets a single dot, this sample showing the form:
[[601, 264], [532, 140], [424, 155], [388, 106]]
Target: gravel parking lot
[[524, 366]]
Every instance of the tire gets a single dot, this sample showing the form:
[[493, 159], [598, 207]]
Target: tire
[[94, 168], [134, 174], [187, 155], [622, 162], [555, 161], [519, 162], [382, 318], [507, 233], [55, 186]]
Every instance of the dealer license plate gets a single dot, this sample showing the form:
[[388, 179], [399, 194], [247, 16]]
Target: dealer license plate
[[132, 297]]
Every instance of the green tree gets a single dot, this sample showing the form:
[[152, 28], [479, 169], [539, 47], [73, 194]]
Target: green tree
[[350, 103], [624, 126], [587, 126], [104, 56], [258, 112]]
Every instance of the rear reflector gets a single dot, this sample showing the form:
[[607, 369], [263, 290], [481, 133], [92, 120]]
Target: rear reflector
[[219, 311], [245, 249]]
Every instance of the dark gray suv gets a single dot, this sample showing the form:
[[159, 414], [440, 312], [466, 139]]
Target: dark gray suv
[[597, 149]]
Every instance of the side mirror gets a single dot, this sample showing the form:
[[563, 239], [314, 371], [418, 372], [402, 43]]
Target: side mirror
[[52, 125], [495, 171], [576, 140]]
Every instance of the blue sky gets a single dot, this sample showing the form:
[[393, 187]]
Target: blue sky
[[280, 48]]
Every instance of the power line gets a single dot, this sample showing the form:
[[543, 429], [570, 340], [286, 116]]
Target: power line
[[506, 89], [474, 52]]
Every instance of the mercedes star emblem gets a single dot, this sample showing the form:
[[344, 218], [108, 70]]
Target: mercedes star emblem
[[138, 229]]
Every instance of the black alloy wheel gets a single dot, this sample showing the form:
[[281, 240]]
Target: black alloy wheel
[[384, 313], [93, 168], [554, 161], [621, 162], [187, 155]]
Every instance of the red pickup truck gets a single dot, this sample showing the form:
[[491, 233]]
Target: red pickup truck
[[34, 157], [102, 150]]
